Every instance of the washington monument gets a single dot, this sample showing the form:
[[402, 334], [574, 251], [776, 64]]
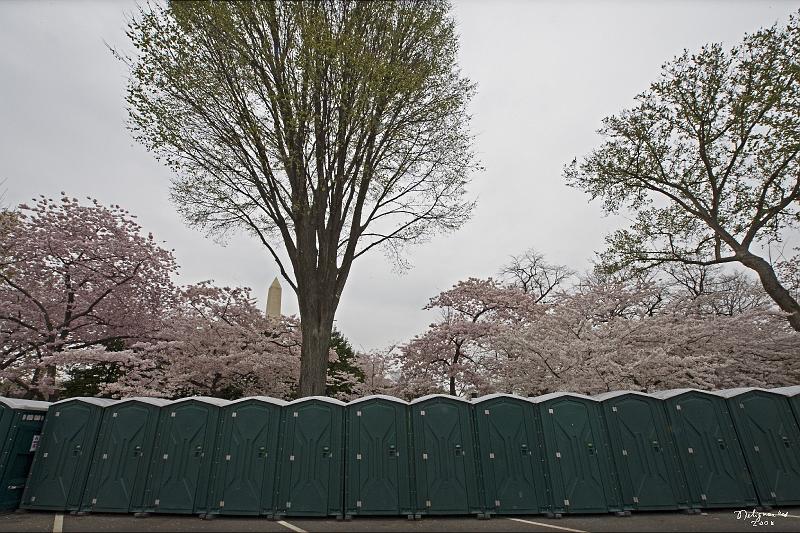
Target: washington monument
[[274, 300]]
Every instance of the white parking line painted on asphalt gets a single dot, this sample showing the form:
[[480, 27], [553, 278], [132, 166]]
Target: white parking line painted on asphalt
[[292, 526], [548, 525], [58, 523]]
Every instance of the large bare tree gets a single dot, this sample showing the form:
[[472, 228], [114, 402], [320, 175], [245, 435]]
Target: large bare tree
[[327, 129], [708, 159]]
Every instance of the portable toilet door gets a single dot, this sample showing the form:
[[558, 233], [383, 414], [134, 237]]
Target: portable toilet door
[[792, 393], [122, 455], [444, 456], [61, 464], [577, 454], [21, 424], [310, 478], [644, 454], [708, 449], [510, 455], [178, 480], [243, 477], [770, 439], [378, 459]]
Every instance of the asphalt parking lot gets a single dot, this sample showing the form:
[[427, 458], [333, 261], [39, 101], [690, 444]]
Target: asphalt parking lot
[[722, 520]]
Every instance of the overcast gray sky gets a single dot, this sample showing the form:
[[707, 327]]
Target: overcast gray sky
[[547, 73]]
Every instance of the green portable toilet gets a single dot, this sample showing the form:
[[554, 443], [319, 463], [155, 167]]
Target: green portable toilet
[[378, 458], [716, 473], [577, 454], [793, 394], [445, 456], [21, 424], [122, 455], [770, 441], [510, 455], [178, 480], [61, 464], [310, 479], [246, 456], [644, 454]]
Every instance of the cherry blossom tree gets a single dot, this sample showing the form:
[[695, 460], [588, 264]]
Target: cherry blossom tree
[[216, 343], [74, 276], [604, 333], [378, 371], [607, 336], [546, 351], [457, 352]]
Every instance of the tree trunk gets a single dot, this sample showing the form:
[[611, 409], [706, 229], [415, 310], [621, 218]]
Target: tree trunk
[[773, 287], [51, 373], [33, 393], [314, 356], [316, 326], [455, 361]]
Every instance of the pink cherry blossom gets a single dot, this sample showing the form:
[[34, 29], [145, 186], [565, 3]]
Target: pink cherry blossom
[[599, 335], [214, 343], [74, 276]]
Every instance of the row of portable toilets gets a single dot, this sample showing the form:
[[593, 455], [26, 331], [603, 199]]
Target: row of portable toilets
[[379, 455]]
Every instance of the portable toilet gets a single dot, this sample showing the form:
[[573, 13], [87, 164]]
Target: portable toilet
[[122, 455], [246, 456], [21, 424], [793, 394], [644, 454], [511, 455], [378, 458], [712, 459], [445, 456], [577, 454], [62, 461], [770, 440], [178, 479], [310, 478]]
